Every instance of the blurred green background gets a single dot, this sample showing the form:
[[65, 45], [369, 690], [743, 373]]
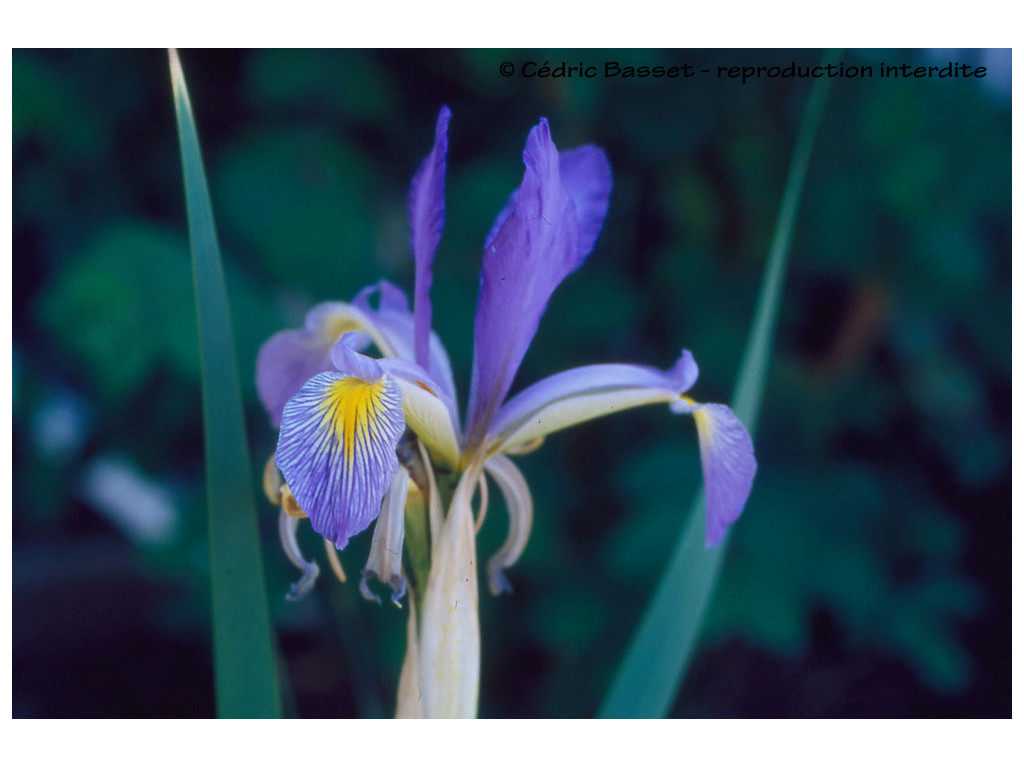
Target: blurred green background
[[870, 574]]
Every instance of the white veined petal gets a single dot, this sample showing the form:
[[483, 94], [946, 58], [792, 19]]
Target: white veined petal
[[578, 409], [585, 393]]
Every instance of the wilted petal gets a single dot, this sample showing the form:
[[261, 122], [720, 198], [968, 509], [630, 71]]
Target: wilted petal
[[728, 464], [272, 482], [287, 527], [385, 560], [585, 393], [536, 247], [426, 219], [520, 520], [337, 450]]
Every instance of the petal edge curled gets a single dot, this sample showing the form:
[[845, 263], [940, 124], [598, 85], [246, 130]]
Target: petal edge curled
[[336, 450]]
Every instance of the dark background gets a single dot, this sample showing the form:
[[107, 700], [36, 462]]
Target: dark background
[[870, 574]]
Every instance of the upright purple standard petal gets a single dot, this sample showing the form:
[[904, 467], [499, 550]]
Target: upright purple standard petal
[[587, 177], [536, 246], [426, 219]]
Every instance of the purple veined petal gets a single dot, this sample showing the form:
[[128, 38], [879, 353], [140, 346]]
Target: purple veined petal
[[396, 323], [587, 177], [426, 220], [336, 450], [728, 465], [289, 359], [535, 249], [582, 394]]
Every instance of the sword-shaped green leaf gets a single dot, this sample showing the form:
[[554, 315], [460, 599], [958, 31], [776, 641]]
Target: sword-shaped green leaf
[[245, 661]]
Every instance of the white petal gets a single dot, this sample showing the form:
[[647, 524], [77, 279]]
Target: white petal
[[449, 645], [581, 394], [520, 520]]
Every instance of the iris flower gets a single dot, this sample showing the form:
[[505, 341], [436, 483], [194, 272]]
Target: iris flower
[[366, 438]]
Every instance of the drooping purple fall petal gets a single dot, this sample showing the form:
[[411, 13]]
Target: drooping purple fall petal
[[728, 464], [336, 449]]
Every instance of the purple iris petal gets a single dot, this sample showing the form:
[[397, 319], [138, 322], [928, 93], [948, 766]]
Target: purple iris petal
[[426, 218], [336, 450], [396, 322], [350, 362], [727, 461], [289, 359], [536, 247], [587, 177], [391, 296], [624, 385]]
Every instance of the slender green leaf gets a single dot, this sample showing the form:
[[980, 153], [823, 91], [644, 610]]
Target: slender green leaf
[[653, 668], [244, 651]]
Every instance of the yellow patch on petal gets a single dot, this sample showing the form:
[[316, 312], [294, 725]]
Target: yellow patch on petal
[[705, 425], [350, 407]]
